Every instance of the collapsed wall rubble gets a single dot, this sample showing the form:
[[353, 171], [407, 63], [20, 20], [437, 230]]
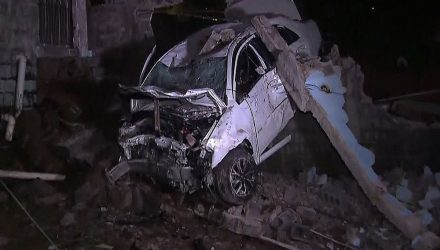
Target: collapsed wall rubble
[[295, 213], [306, 83]]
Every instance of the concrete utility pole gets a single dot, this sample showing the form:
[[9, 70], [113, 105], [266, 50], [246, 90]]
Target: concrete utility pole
[[357, 158]]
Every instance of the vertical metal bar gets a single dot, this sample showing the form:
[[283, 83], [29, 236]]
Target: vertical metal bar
[[156, 115], [70, 23], [65, 23], [46, 35], [50, 26], [55, 22], [59, 21], [54, 15], [40, 19], [49, 21], [62, 23], [44, 27]]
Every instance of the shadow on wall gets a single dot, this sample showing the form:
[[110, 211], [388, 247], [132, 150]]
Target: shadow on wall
[[91, 84], [309, 147], [69, 85], [170, 30], [409, 148], [123, 64]]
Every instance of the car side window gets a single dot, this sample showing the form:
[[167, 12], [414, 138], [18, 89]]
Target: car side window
[[288, 35], [268, 58], [247, 73]]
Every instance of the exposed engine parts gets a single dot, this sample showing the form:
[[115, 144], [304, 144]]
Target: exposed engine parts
[[171, 149]]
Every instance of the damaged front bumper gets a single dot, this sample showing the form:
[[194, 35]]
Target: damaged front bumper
[[167, 160]]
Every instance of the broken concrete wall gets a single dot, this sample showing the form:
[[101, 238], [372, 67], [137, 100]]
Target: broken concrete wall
[[18, 35], [396, 142]]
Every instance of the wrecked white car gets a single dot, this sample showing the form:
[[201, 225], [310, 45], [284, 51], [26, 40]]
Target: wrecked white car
[[207, 113]]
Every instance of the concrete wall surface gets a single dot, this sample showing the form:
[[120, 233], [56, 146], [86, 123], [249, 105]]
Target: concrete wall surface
[[18, 35]]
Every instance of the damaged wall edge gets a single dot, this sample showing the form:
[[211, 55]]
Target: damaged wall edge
[[341, 136]]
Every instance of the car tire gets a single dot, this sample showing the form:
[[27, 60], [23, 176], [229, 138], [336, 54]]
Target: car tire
[[237, 177]]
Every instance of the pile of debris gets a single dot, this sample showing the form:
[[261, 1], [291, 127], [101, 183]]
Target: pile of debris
[[419, 192], [310, 212], [63, 132]]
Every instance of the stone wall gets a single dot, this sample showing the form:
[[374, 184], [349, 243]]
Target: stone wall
[[119, 22], [396, 142], [18, 35]]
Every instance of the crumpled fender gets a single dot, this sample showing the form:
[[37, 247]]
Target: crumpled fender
[[235, 126]]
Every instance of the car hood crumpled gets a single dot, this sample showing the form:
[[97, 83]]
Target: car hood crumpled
[[204, 96]]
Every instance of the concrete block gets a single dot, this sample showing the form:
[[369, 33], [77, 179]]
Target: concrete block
[[30, 85], [26, 14], [426, 204], [6, 100], [7, 93], [5, 7], [311, 176], [5, 55], [7, 86], [240, 225], [428, 176], [404, 182], [306, 212], [5, 71], [404, 194], [432, 194], [425, 216]]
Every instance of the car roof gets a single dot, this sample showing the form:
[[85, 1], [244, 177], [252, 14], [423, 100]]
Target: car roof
[[193, 48], [189, 49]]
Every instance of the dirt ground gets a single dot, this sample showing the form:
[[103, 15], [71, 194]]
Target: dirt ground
[[309, 211]]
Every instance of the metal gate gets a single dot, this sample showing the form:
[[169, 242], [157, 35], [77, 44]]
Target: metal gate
[[56, 26]]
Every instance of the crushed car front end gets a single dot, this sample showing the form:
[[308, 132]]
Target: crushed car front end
[[165, 137]]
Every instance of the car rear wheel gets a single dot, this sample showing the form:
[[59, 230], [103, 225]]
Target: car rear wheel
[[237, 177]]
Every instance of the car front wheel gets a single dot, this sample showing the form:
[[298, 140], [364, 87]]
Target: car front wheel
[[237, 177]]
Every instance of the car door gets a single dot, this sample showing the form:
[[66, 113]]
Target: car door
[[274, 86], [251, 79], [279, 103]]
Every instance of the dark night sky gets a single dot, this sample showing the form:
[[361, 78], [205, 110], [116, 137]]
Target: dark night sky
[[394, 27], [374, 32], [390, 26]]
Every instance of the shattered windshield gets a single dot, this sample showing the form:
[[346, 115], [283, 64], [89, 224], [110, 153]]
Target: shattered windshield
[[204, 73]]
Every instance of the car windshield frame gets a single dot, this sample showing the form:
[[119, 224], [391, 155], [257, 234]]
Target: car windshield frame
[[207, 72]]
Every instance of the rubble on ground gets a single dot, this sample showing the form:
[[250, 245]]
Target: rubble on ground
[[316, 86], [299, 211], [311, 211]]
